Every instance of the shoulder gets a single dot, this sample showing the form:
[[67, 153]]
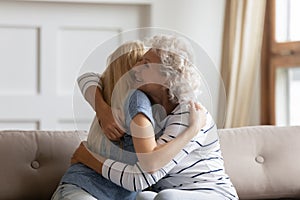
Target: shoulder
[[138, 94], [138, 102], [139, 98]]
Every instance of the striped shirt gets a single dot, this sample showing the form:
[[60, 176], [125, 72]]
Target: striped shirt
[[198, 167], [89, 79]]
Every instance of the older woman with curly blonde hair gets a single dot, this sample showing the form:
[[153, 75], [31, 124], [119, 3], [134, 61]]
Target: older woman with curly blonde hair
[[166, 75]]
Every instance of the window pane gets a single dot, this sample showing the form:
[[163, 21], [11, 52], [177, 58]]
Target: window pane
[[287, 20], [281, 98], [294, 74], [281, 19], [287, 96], [294, 20]]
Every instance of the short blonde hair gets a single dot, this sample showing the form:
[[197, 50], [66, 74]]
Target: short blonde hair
[[119, 63], [177, 58]]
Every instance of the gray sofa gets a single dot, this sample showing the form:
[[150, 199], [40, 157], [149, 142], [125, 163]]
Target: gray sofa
[[262, 161]]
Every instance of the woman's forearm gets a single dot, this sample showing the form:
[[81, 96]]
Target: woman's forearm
[[163, 154], [132, 177], [91, 87], [93, 94], [88, 158], [152, 156]]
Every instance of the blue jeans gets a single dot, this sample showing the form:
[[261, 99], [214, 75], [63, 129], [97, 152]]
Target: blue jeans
[[71, 192], [94, 184]]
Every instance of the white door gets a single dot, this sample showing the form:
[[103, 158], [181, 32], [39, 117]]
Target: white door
[[42, 45]]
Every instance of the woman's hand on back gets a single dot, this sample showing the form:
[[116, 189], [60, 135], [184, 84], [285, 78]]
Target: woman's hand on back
[[104, 114], [197, 119], [83, 155], [108, 123]]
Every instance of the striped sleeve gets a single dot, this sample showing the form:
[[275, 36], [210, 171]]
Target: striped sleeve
[[88, 79], [132, 177]]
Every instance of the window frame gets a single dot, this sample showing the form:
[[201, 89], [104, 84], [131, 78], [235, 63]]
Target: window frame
[[274, 55]]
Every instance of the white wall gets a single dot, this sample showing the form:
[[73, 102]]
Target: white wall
[[43, 36], [42, 47], [201, 20]]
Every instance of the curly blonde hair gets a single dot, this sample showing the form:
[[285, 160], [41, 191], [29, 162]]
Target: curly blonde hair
[[177, 58]]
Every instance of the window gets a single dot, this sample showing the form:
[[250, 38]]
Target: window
[[280, 93]]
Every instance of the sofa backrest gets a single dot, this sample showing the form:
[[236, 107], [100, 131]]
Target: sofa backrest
[[263, 161], [32, 162]]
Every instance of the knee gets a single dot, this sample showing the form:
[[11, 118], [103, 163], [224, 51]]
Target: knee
[[166, 195]]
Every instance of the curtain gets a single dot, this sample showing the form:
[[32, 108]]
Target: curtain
[[242, 42]]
